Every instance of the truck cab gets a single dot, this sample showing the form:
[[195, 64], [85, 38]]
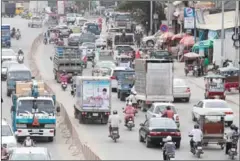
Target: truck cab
[[33, 111]]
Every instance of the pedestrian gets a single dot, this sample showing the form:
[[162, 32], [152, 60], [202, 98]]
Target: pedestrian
[[206, 63]]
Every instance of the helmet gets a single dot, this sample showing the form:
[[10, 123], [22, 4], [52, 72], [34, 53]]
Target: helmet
[[115, 112], [232, 127], [196, 126], [168, 108], [129, 103], [169, 138], [20, 48]]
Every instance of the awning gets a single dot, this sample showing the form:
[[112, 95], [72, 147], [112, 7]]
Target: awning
[[187, 40], [214, 21]]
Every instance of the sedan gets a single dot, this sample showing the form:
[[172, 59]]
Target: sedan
[[90, 50], [212, 105], [8, 54], [158, 108], [155, 130], [101, 42], [30, 153], [8, 136], [181, 90], [74, 39], [103, 64]]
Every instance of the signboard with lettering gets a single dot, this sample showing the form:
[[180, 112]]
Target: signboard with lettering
[[189, 15]]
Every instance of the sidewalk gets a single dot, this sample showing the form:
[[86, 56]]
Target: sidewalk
[[232, 97]]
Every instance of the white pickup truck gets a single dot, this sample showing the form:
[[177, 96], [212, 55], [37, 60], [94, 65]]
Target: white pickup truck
[[35, 21]]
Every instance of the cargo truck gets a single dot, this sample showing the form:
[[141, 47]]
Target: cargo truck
[[10, 9], [33, 111], [154, 81], [93, 99]]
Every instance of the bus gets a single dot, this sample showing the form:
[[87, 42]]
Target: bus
[[6, 35]]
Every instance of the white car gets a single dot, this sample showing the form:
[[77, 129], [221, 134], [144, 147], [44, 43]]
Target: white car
[[8, 136], [101, 41], [181, 90], [114, 75], [212, 105], [30, 153], [158, 108], [35, 21], [9, 54], [151, 40], [5, 66]]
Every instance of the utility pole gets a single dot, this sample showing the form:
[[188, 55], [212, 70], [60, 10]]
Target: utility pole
[[222, 34], [237, 31], [151, 17]]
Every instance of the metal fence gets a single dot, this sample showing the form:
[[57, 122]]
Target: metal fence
[[68, 131]]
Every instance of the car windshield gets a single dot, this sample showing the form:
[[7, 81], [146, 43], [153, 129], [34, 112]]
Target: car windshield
[[36, 18], [87, 38], [163, 108], [28, 156], [89, 45], [160, 54], [123, 17], [8, 53], [124, 40], [71, 15], [179, 82], [75, 38], [93, 27], [19, 75], [6, 131], [81, 22], [43, 106], [162, 123], [216, 104], [114, 30], [106, 64]]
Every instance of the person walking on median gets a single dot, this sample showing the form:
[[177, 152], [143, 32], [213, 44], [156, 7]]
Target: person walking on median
[[206, 63]]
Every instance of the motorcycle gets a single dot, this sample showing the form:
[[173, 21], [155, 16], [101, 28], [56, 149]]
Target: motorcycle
[[64, 85], [130, 124], [18, 36], [226, 63], [170, 156], [197, 149], [115, 134], [20, 58], [233, 151], [195, 71], [13, 34], [45, 41]]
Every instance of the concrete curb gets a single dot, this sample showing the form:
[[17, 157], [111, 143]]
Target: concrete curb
[[80, 147]]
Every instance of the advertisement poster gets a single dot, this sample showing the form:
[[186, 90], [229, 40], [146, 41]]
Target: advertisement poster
[[60, 7], [96, 94], [189, 18]]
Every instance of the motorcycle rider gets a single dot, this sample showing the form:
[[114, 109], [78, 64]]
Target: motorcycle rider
[[28, 142], [13, 32], [113, 121], [129, 112], [229, 138], [64, 77], [4, 152], [197, 136], [20, 52], [132, 98], [168, 148], [168, 113], [18, 32]]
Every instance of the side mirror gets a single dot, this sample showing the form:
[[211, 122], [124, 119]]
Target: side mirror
[[50, 58], [72, 92], [141, 124], [33, 77], [58, 109]]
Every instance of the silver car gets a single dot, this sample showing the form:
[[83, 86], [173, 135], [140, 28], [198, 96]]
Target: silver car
[[181, 90], [5, 66]]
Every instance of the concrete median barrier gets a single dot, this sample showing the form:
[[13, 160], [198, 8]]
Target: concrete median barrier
[[67, 129]]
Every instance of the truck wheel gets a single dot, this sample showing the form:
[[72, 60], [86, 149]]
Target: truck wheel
[[178, 144], [8, 93], [50, 139], [80, 118], [75, 113], [122, 97], [118, 95]]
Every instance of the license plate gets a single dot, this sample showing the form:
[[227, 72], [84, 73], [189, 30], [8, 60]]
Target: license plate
[[199, 148], [216, 96], [114, 132], [233, 149], [130, 122], [35, 131], [95, 114]]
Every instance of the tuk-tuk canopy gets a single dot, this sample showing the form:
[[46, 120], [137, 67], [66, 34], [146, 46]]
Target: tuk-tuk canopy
[[214, 76], [206, 44], [228, 69], [191, 55]]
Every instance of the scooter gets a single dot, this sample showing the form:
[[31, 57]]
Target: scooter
[[115, 134], [195, 71], [18, 36], [130, 124], [135, 105], [64, 85], [20, 59], [197, 149], [233, 151]]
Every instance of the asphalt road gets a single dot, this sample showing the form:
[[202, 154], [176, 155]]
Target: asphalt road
[[58, 148], [128, 147]]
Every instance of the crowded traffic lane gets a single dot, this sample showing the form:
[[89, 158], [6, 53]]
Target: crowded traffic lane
[[96, 135], [58, 148]]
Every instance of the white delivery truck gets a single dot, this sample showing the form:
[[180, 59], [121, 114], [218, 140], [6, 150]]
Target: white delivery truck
[[93, 99], [154, 81]]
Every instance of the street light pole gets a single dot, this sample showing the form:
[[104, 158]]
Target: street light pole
[[151, 17], [222, 34]]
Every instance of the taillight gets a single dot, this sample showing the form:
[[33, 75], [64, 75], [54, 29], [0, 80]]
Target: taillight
[[84, 113], [188, 90], [113, 77], [148, 102], [228, 113], [154, 133], [19, 130], [107, 113], [177, 134], [51, 131]]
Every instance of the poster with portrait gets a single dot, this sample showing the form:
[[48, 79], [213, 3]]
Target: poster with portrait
[[96, 94]]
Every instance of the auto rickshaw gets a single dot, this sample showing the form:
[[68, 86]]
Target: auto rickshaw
[[214, 87], [190, 60], [123, 60], [231, 75], [212, 125]]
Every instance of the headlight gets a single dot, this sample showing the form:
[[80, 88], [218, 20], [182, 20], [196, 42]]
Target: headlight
[[21, 125], [50, 126]]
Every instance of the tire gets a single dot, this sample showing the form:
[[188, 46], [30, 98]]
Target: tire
[[75, 113], [198, 155], [193, 118], [229, 123], [8, 93], [187, 99], [148, 144], [50, 139], [80, 119], [122, 97], [150, 42], [178, 144], [140, 138], [118, 95]]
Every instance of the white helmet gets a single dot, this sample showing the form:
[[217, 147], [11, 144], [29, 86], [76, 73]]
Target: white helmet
[[129, 103], [168, 138]]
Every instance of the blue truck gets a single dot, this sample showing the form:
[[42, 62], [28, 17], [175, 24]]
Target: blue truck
[[6, 35], [125, 83], [33, 111]]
